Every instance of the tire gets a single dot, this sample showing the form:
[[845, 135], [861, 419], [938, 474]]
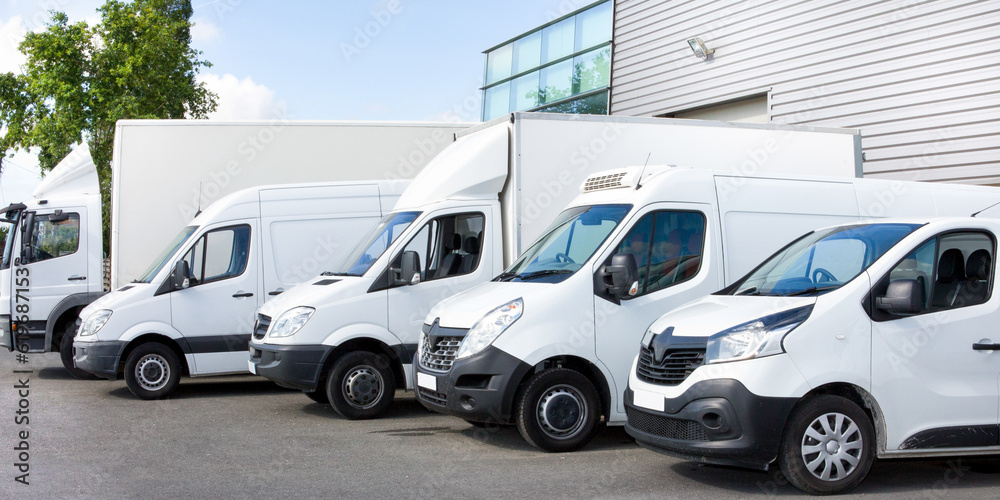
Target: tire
[[815, 429], [558, 410], [319, 396], [66, 353], [152, 371], [361, 385]]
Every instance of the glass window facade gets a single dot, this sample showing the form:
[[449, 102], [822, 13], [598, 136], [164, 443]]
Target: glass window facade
[[562, 67]]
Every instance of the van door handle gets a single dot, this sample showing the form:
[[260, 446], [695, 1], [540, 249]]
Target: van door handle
[[77, 278], [241, 295], [986, 347], [276, 292]]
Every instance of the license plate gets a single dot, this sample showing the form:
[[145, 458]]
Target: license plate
[[427, 381], [647, 400], [252, 367]]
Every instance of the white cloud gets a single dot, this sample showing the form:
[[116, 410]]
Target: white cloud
[[11, 34], [202, 30], [242, 99]]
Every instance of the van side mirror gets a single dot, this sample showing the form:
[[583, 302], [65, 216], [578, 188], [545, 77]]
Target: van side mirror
[[27, 230], [179, 277], [622, 277], [408, 272], [903, 296]]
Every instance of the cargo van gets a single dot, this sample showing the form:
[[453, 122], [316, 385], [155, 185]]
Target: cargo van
[[348, 338], [547, 345], [192, 311], [855, 342]]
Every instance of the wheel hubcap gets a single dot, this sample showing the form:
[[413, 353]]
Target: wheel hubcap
[[562, 412], [363, 387], [832, 447], [152, 372]]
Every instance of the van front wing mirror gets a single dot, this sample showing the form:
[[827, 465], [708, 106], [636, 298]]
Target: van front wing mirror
[[179, 277], [27, 230], [621, 278], [408, 272], [903, 296]]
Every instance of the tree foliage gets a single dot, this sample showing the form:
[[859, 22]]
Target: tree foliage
[[79, 80]]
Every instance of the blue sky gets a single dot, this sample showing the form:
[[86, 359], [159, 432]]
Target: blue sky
[[320, 60]]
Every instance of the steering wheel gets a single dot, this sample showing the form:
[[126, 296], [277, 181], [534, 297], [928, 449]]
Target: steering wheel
[[561, 257], [821, 275]]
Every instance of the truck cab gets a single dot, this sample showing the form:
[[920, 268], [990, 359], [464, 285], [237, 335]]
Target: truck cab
[[52, 266]]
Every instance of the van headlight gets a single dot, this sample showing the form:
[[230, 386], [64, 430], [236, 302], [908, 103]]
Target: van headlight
[[94, 322], [755, 339], [489, 327], [291, 321]]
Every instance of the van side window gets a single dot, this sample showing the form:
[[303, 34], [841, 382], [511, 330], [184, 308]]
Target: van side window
[[219, 254], [667, 246], [954, 270], [52, 239], [448, 246]]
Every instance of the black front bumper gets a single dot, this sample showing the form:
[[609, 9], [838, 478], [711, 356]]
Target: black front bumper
[[714, 421], [480, 388], [100, 358], [292, 366]]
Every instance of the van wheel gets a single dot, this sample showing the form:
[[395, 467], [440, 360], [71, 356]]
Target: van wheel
[[319, 396], [66, 353], [829, 446], [152, 371], [361, 385], [558, 410]]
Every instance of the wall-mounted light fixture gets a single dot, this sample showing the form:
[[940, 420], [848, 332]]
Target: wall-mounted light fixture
[[699, 48]]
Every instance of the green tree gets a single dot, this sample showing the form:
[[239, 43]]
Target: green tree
[[137, 62]]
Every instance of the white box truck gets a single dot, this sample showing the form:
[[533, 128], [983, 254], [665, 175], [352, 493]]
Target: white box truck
[[164, 172], [548, 344], [192, 311], [349, 337], [854, 342]]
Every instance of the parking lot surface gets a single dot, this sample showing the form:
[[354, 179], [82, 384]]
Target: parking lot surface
[[244, 437]]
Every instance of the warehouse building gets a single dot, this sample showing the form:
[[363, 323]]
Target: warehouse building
[[920, 78]]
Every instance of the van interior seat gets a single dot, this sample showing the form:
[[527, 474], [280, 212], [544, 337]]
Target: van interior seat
[[951, 275], [975, 289], [471, 257], [451, 262]]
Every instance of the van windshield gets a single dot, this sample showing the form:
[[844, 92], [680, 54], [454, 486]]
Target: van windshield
[[568, 243], [168, 251], [821, 261], [374, 244]]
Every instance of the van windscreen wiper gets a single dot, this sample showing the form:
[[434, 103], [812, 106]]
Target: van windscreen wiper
[[539, 274], [812, 289]]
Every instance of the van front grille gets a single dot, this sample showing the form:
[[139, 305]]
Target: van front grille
[[675, 367], [438, 353], [260, 326]]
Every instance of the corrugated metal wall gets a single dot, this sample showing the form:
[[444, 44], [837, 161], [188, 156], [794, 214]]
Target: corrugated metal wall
[[920, 78]]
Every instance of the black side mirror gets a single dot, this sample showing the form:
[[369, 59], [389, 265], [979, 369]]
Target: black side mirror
[[408, 272], [179, 277], [903, 296], [622, 277], [27, 231]]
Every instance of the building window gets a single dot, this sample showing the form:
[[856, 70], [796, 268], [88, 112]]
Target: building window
[[561, 67]]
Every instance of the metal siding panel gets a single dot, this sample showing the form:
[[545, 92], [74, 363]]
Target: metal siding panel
[[920, 78]]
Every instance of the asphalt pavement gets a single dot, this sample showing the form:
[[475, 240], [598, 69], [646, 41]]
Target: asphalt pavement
[[244, 437]]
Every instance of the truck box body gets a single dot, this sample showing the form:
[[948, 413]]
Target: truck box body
[[163, 171], [467, 216]]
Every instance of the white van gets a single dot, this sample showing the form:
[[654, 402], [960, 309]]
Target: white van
[[548, 344], [853, 342], [192, 311]]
